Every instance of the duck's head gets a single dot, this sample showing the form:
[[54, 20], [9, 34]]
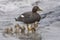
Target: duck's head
[[35, 9]]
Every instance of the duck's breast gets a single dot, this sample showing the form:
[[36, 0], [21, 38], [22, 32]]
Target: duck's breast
[[37, 17]]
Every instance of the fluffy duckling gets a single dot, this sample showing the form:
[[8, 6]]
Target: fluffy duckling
[[31, 29], [17, 26], [22, 29], [17, 29], [8, 31], [35, 24], [11, 30]]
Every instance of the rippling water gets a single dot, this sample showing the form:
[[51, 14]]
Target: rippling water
[[49, 25]]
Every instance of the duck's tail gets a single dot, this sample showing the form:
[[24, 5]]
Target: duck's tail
[[15, 19]]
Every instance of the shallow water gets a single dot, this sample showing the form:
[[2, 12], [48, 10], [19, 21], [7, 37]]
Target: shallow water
[[49, 25]]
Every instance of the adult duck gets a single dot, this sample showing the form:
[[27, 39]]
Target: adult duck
[[30, 17]]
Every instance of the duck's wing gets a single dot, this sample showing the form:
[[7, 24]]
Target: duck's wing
[[28, 17], [27, 14]]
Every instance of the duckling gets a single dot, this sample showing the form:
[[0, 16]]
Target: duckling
[[22, 29], [17, 29], [8, 31], [11, 30], [31, 29], [17, 26], [36, 24]]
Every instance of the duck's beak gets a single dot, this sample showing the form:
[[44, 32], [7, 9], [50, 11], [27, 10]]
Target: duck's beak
[[40, 9]]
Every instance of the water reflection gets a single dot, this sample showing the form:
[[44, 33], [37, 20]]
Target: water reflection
[[33, 36]]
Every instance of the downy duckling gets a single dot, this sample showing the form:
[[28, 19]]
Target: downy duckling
[[17, 29], [22, 29], [36, 24], [31, 29], [17, 26], [8, 31], [11, 30]]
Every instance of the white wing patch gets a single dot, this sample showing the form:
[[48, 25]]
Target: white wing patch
[[22, 15]]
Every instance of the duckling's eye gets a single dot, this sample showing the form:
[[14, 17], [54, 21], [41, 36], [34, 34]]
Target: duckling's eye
[[22, 16]]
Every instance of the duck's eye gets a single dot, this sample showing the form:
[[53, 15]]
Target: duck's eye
[[22, 16]]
